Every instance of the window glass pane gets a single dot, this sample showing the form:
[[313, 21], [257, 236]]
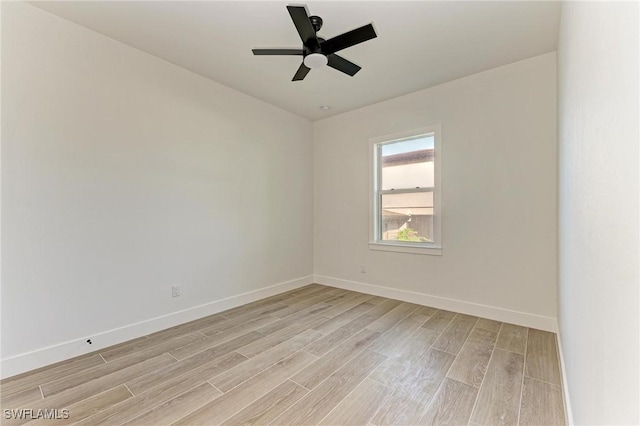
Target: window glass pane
[[407, 164], [407, 217]]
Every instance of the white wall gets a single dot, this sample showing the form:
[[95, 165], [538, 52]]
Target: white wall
[[122, 175], [598, 209], [498, 199]]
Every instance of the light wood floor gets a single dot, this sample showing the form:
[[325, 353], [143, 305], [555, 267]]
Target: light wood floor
[[315, 355]]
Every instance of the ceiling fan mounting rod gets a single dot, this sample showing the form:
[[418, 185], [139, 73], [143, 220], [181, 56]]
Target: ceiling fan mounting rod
[[316, 22]]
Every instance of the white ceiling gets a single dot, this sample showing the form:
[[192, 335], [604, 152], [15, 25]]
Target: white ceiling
[[420, 43]]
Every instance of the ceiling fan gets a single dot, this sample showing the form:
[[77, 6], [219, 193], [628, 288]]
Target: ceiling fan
[[316, 51]]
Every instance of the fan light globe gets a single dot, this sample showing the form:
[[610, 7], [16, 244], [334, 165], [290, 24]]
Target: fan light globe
[[315, 60]]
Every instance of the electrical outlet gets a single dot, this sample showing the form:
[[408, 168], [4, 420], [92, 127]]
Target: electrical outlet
[[175, 290]]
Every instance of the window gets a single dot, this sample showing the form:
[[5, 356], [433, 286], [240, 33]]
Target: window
[[405, 195]]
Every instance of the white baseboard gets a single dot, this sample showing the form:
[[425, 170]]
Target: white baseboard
[[565, 388], [49, 355], [499, 314]]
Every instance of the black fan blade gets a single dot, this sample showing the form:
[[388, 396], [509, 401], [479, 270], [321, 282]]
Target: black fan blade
[[348, 39], [301, 73], [302, 22], [277, 51], [341, 64]]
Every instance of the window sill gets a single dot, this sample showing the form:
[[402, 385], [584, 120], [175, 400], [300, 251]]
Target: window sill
[[406, 248]]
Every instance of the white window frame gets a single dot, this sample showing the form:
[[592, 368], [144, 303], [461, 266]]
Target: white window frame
[[375, 214]]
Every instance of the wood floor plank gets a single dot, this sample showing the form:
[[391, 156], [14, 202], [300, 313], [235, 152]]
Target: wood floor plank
[[87, 407], [35, 378], [451, 405], [471, 364], [297, 307], [223, 336], [20, 399], [258, 314], [315, 354], [188, 327], [541, 404], [499, 397], [135, 345], [268, 407], [306, 316], [247, 325], [359, 406], [377, 300], [454, 336], [542, 357], [333, 339], [237, 399], [384, 307], [326, 365], [344, 318], [403, 373], [415, 381], [390, 340], [487, 324], [318, 291], [303, 290], [320, 401], [275, 299], [416, 344], [229, 324], [132, 346], [172, 371], [88, 389], [226, 347], [103, 383], [162, 393], [334, 290], [277, 337], [243, 372], [439, 321], [321, 290], [391, 318], [512, 338], [427, 311], [337, 297], [353, 299], [70, 381], [258, 305], [177, 407]]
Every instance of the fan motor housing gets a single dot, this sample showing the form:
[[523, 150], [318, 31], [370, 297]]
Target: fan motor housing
[[306, 50]]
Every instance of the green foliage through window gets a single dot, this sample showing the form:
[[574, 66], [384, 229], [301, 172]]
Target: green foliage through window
[[408, 234]]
